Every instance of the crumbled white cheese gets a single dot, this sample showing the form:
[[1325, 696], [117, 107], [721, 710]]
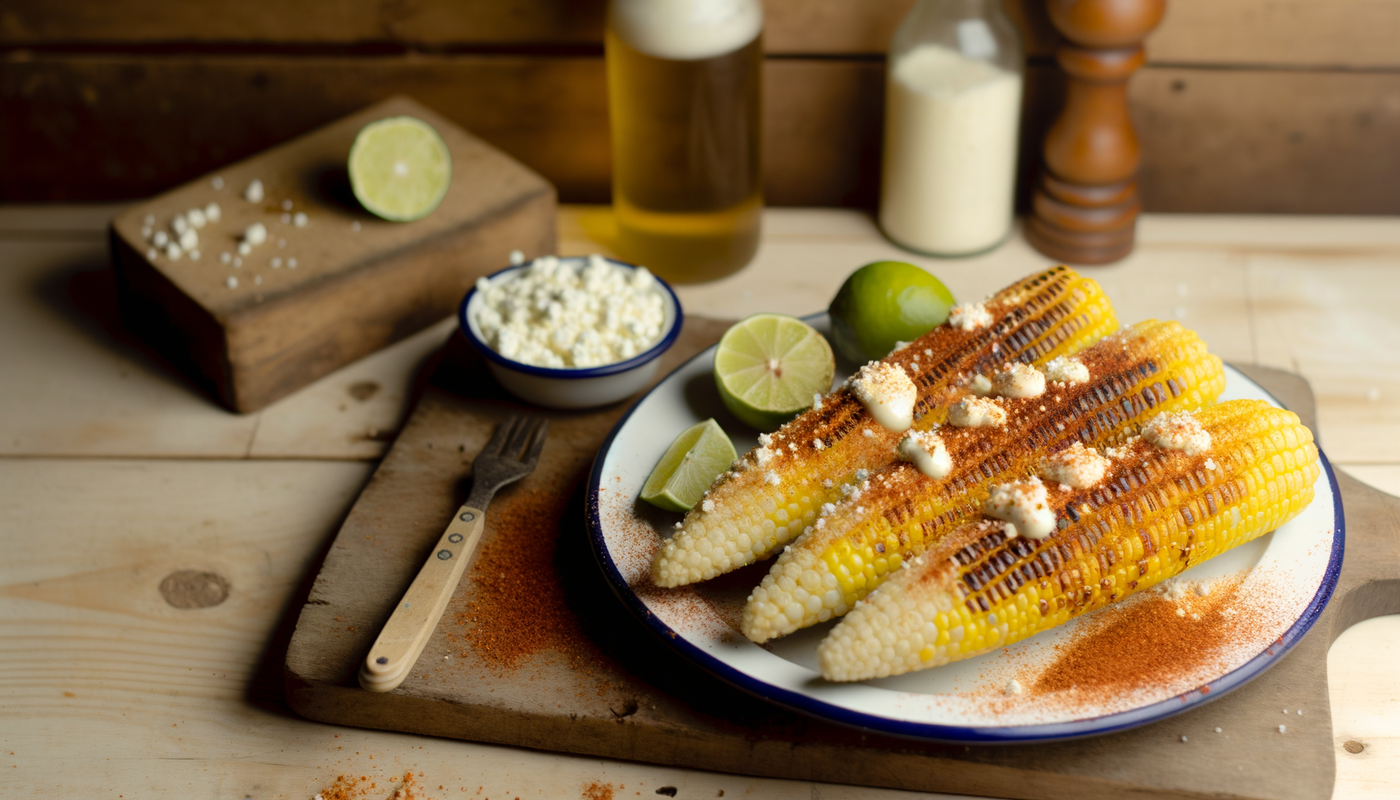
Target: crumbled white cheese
[[160, 239], [232, 282], [225, 257], [300, 219], [1018, 380], [151, 254], [237, 262], [276, 263], [969, 316], [244, 248], [194, 255], [707, 505], [218, 182], [516, 258], [977, 412], [817, 402], [1064, 369], [286, 219], [255, 234], [173, 251], [213, 213], [291, 263], [257, 279], [771, 478], [980, 386], [1177, 431], [1077, 467], [254, 192], [196, 218], [1014, 687], [146, 233], [571, 313], [286, 205], [1024, 504], [179, 224], [189, 240], [927, 452], [887, 393]]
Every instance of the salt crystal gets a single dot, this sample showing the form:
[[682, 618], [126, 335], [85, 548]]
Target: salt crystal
[[1183, 738], [1217, 730], [1283, 729]]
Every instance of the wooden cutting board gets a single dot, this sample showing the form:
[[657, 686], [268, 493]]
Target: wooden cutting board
[[536, 651]]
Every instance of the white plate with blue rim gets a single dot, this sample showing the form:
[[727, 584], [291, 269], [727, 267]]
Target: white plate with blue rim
[[1240, 612]]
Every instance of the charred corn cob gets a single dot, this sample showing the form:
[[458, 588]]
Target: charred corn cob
[[776, 490], [899, 511], [1156, 513]]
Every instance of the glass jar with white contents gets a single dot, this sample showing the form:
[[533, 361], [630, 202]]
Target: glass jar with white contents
[[952, 117]]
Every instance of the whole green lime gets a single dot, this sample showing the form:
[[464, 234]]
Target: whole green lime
[[884, 303]]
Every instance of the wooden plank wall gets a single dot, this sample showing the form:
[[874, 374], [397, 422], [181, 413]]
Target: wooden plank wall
[[1245, 105]]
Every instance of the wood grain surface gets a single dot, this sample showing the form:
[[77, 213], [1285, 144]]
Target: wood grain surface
[[1338, 33], [316, 297], [600, 683]]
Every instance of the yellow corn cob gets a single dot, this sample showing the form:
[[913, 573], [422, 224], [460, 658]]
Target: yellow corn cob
[[776, 490], [1157, 513], [896, 514]]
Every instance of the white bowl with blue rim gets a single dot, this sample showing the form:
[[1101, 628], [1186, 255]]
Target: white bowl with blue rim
[[581, 387]]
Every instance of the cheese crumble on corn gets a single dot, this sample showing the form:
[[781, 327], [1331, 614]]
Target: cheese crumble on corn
[[887, 393]]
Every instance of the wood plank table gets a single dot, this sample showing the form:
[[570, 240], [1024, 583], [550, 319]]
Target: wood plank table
[[118, 679]]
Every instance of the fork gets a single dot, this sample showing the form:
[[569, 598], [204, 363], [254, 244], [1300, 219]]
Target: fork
[[511, 454]]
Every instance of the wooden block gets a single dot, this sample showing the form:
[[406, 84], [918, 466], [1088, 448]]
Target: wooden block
[[359, 283]]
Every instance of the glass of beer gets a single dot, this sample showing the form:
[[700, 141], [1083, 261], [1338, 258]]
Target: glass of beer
[[683, 92]]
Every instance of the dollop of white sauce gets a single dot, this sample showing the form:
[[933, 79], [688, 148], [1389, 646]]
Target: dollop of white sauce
[[928, 453], [1025, 505], [1018, 380], [887, 393], [969, 316], [977, 412], [1063, 369], [1077, 467], [1177, 431], [980, 386]]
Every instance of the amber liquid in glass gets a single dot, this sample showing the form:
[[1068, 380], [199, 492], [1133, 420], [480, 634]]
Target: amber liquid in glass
[[685, 138]]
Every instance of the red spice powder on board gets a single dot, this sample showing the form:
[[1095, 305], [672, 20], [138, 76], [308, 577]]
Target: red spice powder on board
[[352, 788], [1146, 642], [517, 609], [598, 791]]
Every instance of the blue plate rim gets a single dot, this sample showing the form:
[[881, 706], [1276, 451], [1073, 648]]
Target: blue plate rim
[[959, 734]]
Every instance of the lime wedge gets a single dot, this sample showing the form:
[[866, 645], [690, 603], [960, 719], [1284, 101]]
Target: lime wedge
[[769, 366], [690, 465], [399, 168]]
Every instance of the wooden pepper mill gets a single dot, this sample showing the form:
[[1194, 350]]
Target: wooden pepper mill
[[1085, 206]]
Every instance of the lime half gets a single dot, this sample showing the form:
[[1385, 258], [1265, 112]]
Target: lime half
[[690, 465], [769, 366], [399, 168], [884, 303]]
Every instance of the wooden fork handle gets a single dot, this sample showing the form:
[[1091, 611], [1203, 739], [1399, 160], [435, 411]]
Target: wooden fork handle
[[416, 616]]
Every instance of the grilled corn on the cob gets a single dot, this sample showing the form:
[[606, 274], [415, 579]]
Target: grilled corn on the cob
[[1157, 512], [896, 514], [776, 490]]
